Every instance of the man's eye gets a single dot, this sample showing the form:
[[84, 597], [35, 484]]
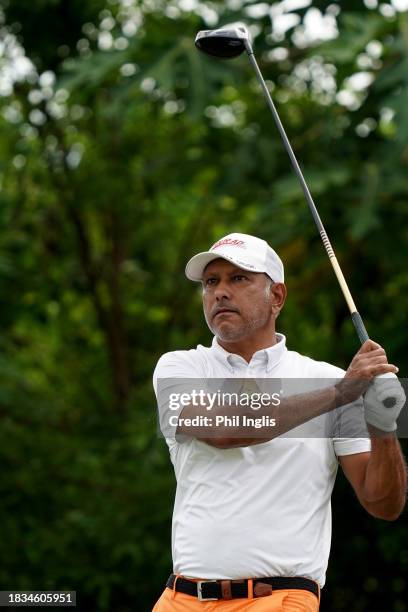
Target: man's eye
[[239, 277], [210, 281]]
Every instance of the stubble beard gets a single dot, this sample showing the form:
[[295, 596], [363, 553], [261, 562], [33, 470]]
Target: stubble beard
[[258, 319]]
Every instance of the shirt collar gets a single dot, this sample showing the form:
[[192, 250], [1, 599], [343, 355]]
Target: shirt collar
[[269, 357]]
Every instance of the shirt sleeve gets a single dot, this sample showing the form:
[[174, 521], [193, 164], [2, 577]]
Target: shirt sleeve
[[175, 375], [350, 434], [347, 426], [351, 446]]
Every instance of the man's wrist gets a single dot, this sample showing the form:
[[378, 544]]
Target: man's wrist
[[346, 392], [376, 432]]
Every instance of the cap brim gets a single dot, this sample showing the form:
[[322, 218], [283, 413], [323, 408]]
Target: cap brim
[[195, 267]]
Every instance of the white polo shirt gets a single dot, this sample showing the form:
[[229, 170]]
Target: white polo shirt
[[261, 510]]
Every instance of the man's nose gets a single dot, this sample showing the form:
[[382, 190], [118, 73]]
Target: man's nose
[[222, 291]]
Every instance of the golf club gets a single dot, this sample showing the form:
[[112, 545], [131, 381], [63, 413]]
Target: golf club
[[230, 42]]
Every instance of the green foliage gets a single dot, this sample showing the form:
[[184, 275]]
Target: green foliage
[[146, 153]]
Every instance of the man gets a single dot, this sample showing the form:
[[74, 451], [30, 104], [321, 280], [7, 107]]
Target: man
[[252, 517]]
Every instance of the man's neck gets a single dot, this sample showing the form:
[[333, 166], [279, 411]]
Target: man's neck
[[249, 346]]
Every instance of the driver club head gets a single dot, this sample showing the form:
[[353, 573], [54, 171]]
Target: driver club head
[[224, 43]]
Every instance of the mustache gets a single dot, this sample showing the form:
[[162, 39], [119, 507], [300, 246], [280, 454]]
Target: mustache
[[223, 308]]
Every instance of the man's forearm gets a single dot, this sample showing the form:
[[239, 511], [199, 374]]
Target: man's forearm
[[385, 484], [292, 412]]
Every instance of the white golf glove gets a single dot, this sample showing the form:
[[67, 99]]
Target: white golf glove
[[375, 412]]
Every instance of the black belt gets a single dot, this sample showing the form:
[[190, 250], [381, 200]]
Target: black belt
[[207, 590]]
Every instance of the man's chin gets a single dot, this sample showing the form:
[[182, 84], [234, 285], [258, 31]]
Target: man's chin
[[227, 333]]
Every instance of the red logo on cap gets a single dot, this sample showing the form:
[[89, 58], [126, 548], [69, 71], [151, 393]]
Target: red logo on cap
[[230, 242]]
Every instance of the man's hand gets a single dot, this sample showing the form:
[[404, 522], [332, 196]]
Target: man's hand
[[368, 362], [376, 414]]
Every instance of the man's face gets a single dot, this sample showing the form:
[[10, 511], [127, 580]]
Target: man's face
[[237, 303]]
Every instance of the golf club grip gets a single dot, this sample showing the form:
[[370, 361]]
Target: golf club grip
[[359, 327], [389, 402]]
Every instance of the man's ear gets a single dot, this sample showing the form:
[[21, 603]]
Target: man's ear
[[278, 297]]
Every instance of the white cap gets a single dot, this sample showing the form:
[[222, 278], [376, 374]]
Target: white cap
[[245, 251]]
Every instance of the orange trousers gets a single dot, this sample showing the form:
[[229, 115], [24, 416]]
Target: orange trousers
[[291, 600]]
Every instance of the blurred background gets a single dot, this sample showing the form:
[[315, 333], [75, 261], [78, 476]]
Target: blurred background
[[123, 152]]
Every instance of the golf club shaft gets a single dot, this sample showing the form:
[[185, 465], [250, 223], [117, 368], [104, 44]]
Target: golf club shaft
[[357, 321], [355, 316]]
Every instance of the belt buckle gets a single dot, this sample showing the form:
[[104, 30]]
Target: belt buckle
[[200, 593]]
